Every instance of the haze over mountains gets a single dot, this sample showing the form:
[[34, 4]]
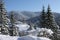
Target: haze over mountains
[[32, 16], [24, 14]]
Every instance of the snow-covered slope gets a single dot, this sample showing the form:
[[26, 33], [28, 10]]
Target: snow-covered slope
[[30, 37], [40, 31], [23, 27], [48, 31], [6, 37]]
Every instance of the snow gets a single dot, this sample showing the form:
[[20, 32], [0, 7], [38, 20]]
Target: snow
[[18, 22], [49, 31], [22, 26], [29, 37], [35, 32], [7, 37], [32, 32]]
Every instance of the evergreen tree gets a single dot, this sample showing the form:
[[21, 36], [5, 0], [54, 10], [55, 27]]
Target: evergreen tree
[[13, 30], [50, 20], [3, 19], [43, 18], [12, 24], [51, 24]]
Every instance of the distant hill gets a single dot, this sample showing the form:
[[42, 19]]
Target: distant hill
[[35, 20], [32, 16], [24, 15]]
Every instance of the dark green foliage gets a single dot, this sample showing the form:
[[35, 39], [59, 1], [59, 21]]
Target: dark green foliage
[[3, 19], [48, 21], [12, 18], [43, 18], [49, 18], [13, 29], [12, 23], [11, 32], [51, 24]]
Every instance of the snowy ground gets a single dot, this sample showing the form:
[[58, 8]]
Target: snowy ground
[[32, 34], [22, 26], [29, 37]]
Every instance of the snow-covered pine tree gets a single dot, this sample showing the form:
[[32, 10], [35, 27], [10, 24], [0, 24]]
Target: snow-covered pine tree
[[13, 30], [12, 24], [43, 18], [51, 24], [50, 20], [3, 19]]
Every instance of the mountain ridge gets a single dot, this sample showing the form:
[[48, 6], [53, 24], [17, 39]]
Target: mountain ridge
[[32, 16]]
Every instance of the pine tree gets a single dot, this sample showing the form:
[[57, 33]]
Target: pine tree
[[50, 19], [51, 24], [12, 24], [43, 18], [13, 30], [3, 19]]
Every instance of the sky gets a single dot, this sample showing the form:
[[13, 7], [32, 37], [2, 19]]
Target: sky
[[32, 5]]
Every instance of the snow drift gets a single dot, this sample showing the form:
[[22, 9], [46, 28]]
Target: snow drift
[[21, 26], [29, 37]]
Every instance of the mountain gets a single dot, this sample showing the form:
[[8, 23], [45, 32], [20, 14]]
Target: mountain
[[35, 20], [24, 15], [32, 16]]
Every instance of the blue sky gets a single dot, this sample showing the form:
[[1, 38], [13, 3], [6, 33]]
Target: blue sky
[[32, 5]]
